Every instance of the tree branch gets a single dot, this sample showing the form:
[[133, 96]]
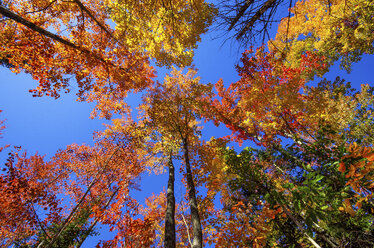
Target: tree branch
[[89, 13], [267, 5]]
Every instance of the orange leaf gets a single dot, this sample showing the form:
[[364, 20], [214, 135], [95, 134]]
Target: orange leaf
[[348, 207], [370, 157], [341, 167], [352, 171]]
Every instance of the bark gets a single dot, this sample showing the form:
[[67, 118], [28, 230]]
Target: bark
[[170, 209], [197, 241]]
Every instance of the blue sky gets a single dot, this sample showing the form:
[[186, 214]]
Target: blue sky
[[45, 125]]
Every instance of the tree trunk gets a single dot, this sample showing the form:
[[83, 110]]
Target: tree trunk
[[196, 225], [170, 209]]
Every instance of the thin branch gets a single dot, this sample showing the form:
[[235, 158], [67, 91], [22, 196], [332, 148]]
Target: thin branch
[[288, 23], [89, 230], [40, 10], [188, 232], [81, 200], [39, 222], [267, 5], [240, 13], [89, 13]]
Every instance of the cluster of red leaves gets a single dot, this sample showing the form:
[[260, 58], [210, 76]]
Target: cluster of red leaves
[[267, 100], [25, 189]]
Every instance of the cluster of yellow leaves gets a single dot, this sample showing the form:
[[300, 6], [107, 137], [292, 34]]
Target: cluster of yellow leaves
[[361, 126], [165, 30], [335, 29], [172, 106], [336, 110], [212, 167]]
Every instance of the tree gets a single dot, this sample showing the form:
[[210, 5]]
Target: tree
[[270, 103], [171, 106], [108, 60], [306, 182], [25, 188], [160, 151], [96, 181], [267, 101], [302, 183]]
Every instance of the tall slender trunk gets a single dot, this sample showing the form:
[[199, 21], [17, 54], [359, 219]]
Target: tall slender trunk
[[170, 209], [196, 224]]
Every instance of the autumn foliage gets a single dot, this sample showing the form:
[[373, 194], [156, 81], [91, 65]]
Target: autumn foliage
[[305, 178]]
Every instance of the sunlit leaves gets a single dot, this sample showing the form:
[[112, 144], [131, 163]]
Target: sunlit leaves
[[95, 58], [267, 101], [166, 30], [335, 29]]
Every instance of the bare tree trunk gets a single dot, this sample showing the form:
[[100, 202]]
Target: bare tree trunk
[[170, 209], [196, 224]]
